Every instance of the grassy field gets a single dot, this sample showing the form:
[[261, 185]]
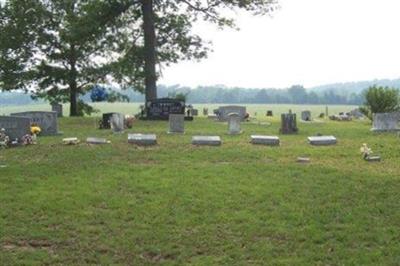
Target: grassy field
[[133, 108], [176, 204]]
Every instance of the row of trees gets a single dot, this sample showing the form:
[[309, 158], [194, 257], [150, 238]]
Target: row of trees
[[58, 49]]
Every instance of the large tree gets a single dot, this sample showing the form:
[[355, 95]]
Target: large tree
[[59, 48], [167, 26]]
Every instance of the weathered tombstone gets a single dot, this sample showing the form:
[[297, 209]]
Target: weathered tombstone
[[105, 121], [195, 112], [160, 109], [386, 122], [206, 140], [234, 124], [269, 113], [93, 140], [176, 123], [47, 121], [306, 116], [15, 127], [205, 111], [356, 113], [224, 111], [117, 123], [322, 140], [288, 123], [142, 139], [265, 140], [58, 108]]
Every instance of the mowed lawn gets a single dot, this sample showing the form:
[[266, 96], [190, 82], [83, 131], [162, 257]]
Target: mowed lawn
[[175, 203]]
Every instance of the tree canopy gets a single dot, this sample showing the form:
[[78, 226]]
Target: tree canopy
[[59, 49]]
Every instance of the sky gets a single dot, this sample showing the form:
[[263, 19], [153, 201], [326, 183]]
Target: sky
[[307, 42]]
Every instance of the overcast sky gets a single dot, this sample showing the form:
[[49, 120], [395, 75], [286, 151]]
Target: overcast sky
[[308, 42]]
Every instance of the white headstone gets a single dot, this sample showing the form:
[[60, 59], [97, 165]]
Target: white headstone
[[234, 124], [206, 140], [117, 122], [322, 140], [386, 122], [142, 139]]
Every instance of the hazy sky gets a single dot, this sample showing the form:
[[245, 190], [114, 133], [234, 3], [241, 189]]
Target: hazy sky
[[306, 42]]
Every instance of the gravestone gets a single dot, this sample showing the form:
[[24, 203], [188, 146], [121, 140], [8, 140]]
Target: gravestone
[[47, 121], [105, 121], [234, 124], [322, 140], [288, 123], [16, 127], [93, 140], [356, 113], [224, 111], [58, 108], [117, 123], [306, 116], [206, 140], [176, 123], [195, 112], [265, 140], [386, 122], [142, 139], [269, 113], [160, 109]]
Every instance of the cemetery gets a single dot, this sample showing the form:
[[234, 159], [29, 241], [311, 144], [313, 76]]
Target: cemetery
[[118, 147], [145, 181]]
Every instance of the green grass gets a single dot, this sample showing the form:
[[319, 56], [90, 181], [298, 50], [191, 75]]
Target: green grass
[[174, 203]]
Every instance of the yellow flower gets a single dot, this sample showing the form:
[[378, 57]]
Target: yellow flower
[[35, 130]]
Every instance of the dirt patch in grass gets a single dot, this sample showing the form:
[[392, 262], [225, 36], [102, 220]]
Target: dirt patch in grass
[[29, 245]]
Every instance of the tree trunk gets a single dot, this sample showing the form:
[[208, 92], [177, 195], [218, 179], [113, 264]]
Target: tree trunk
[[149, 50], [73, 111], [73, 88]]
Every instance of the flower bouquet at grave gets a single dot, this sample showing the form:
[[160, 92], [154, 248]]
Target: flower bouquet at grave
[[129, 121], [367, 154], [4, 139]]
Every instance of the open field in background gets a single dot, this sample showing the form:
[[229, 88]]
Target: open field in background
[[133, 108], [176, 204]]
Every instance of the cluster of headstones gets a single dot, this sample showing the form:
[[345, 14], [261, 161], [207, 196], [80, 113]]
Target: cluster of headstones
[[17, 125], [176, 125]]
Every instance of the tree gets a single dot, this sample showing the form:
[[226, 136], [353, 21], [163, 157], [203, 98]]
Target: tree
[[172, 20], [380, 100], [59, 49]]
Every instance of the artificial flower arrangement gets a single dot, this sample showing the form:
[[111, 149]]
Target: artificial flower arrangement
[[4, 139], [365, 151]]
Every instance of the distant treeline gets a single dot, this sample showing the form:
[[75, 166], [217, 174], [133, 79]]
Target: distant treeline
[[339, 93]]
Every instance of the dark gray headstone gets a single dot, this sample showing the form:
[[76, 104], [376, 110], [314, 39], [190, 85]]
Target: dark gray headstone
[[16, 127], [47, 121], [195, 112], [58, 108], [265, 140], [288, 124], [306, 115]]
